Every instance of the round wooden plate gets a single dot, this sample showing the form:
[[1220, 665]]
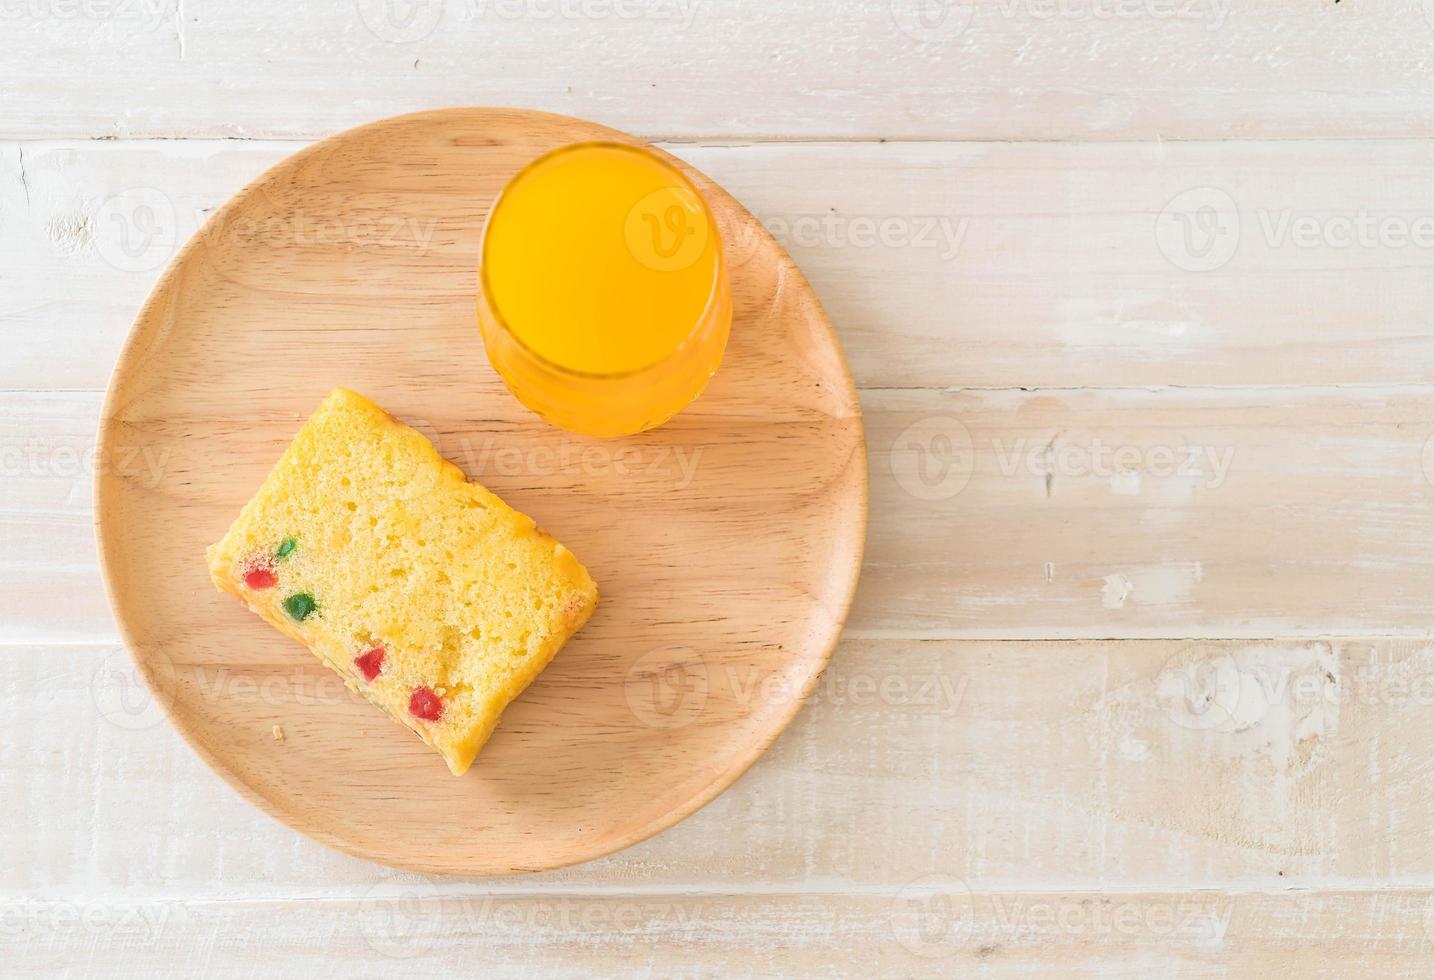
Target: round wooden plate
[[726, 543]]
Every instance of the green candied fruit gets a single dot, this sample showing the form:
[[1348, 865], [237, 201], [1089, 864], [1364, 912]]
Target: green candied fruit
[[300, 606], [286, 548]]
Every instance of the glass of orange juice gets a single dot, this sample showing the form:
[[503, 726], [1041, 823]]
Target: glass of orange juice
[[603, 299]]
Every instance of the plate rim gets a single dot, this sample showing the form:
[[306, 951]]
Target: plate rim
[[738, 764]]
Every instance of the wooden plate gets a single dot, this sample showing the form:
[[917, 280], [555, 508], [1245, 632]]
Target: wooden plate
[[726, 543]]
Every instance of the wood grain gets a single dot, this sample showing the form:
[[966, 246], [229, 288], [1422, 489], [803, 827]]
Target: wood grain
[[984, 69], [727, 543], [941, 265]]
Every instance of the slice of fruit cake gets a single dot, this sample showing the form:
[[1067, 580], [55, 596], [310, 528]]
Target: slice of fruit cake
[[426, 593]]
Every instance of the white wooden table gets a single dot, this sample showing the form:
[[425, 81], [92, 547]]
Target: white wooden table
[[1140, 677]]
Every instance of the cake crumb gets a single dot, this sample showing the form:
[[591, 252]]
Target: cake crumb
[[278, 733]]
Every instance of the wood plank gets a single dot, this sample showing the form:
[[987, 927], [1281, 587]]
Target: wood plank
[[921, 932], [1050, 766], [1172, 513], [1069, 265], [1167, 513], [974, 265], [977, 69]]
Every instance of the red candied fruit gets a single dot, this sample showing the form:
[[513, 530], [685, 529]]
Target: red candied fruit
[[261, 577], [425, 704], [370, 664]]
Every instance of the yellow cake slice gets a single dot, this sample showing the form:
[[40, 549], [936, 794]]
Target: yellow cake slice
[[426, 593]]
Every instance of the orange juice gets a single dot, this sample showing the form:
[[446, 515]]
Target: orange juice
[[604, 300]]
